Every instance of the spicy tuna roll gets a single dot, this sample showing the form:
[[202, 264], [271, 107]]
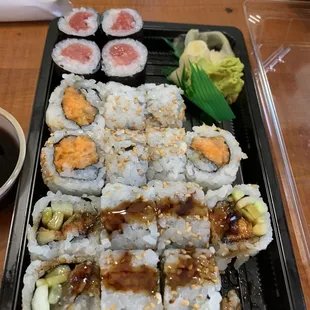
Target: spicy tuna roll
[[77, 56], [76, 104], [80, 22], [124, 61], [120, 23], [72, 162], [213, 156]]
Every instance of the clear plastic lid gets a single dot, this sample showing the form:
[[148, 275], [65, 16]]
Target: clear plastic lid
[[280, 35]]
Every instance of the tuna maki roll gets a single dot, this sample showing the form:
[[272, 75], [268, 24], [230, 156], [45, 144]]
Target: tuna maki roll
[[64, 283], [167, 148], [121, 23], [182, 215], [192, 280], [72, 162], [240, 223], [213, 156], [80, 22], [165, 105], [76, 104], [130, 280], [64, 224], [77, 56], [124, 61], [128, 217], [126, 157]]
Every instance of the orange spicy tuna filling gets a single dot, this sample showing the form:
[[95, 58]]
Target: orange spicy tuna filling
[[76, 107], [75, 153]]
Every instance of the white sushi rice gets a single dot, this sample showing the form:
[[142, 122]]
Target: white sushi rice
[[74, 243], [126, 157], [244, 249], [109, 18], [133, 235], [167, 148], [111, 68], [125, 109], [92, 23], [180, 231], [55, 117], [165, 105], [72, 182], [204, 296], [128, 300], [203, 171], [72, 65], [38, 269]]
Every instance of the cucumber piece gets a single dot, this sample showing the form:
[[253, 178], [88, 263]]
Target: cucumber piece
[[41, 282], [237, 194], [45, 236], [55, 294], [260, 206], [47, 215], [247, 214], [254, 211], [260, 220], [65, 207], [245, 201], [56, 222], [57, 279], [260, 229], [40, 298], [59, 270]]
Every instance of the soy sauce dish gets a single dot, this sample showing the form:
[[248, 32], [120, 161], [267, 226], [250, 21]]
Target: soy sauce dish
[[12, 151]]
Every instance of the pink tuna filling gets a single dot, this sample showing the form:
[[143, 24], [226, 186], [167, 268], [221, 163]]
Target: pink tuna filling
[[78, 21], [123, 54], [124, 21], [78, 52]]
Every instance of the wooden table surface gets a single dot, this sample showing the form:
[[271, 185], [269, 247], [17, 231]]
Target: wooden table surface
[[21, 46]]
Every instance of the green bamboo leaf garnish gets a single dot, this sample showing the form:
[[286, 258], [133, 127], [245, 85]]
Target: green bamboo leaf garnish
[[200, 90], [177, 50]]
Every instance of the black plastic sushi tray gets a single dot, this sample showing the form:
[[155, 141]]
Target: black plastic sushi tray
[[268, 281]]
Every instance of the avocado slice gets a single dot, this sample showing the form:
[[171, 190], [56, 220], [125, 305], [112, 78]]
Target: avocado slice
[[260, 229], [260, 220], [247, 214], [244, 202], [237, 194], [254, 211]]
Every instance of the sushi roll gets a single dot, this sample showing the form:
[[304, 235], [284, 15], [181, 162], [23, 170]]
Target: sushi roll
[[126, 157], [77, 56], [64, 224], [165, 105], [64, 283], [167, 148], [130, 280], [192, 280], [124, 61], [213, 156], [72, 162], [80, 22], [76, 104], [121, 23], [240, 223], [128, 218], [182, 215], [124, 108]]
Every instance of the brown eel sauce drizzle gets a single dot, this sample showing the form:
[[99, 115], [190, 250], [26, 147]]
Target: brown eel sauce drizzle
[[192, 268], [122, 276]]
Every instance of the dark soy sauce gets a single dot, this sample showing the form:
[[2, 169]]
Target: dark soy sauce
[[9, 152]]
